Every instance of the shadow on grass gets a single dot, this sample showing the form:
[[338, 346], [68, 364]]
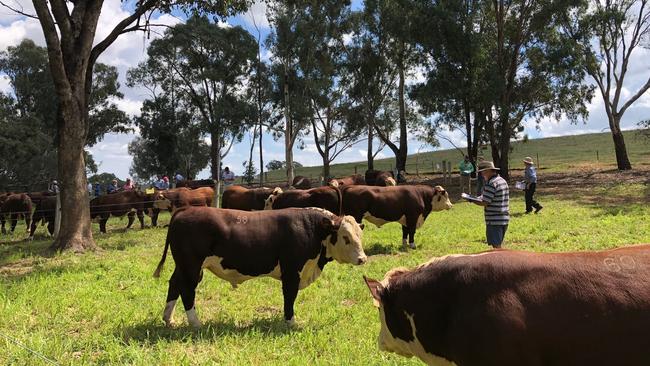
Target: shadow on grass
[[12, 251], [154, 331], [382, 248]]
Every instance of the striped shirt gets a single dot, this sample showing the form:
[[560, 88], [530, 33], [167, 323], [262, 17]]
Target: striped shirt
[[497, 195]]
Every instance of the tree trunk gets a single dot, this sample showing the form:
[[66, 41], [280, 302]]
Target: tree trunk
[[371, 156], [504, 152], [288, 130], [622, 161], [261, 158], [326, 169], [215, 154], [75, 232], [400, 157]]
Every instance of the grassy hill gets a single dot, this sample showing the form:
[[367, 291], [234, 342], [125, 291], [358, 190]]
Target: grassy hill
[[555, 153]]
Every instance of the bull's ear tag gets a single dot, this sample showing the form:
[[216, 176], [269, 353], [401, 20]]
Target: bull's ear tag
[[375, 288]]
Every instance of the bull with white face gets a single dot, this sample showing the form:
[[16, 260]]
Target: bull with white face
[[409, 205], [290, 245], [512, 308]]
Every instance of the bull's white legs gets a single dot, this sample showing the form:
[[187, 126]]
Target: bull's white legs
[[406, 244], [192, 318], [167, 313]]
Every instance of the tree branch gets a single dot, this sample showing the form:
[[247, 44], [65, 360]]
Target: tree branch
[[21, 11]]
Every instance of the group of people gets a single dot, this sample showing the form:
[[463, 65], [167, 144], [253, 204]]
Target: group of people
[[494, 196]]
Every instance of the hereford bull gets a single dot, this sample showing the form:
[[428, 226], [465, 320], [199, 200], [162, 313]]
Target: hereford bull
[[300, 182], [520, 308], [242, 198], [130, 203], [356, 179], [15, 206], [408, 205], [193, 184], [173, 199], [291, 245], [381, 178], [328, 198], [45, 213]]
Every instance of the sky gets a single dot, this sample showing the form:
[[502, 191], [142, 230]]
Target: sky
[[129, 49]]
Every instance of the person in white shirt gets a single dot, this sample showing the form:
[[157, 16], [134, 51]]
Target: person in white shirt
[[228, 177]]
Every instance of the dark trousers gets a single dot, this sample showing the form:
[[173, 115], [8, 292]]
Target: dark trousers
[[495, 234], [530, 201]]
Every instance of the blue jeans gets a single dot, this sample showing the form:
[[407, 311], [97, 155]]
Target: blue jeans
[[495, 234]]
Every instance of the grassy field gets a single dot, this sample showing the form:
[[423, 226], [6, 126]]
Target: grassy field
[[557, 153], [105, 308]]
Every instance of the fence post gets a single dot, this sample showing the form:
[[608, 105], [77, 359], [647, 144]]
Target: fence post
[[449, 171], [355, 169], [539, 166], [57, 216], [597, 158]]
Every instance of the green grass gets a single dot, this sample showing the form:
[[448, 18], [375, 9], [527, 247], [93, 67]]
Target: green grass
[[105, 308], [558, 153]]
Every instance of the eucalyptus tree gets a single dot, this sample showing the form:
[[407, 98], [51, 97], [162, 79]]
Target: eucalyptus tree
[[69, 29], [610, 34], [28, 148], [322, 27], [291, 113], [370, 76], [395, 20], [458, 68], [213, 65]]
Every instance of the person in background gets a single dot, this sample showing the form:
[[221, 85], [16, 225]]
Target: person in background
[[128, 186], [496, 203], [90, 189], [178, 177], [228, 177], [112, 188], [98, 190], [165, 183], [530, 176], [466, 169], [479, 179], [53, 187]]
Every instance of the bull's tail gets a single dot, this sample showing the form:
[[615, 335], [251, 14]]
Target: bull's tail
[[156, 274]]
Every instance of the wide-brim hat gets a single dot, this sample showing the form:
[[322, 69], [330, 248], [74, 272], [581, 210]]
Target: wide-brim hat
[[486, 165], [529, 160]]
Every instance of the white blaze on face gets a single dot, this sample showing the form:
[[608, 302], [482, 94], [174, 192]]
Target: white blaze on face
[[334, 183], [390, 181], [440, 199], [161, 202], [268, 204], [348, 247]]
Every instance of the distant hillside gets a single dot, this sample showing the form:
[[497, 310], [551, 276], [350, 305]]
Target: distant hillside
[[555, 153]]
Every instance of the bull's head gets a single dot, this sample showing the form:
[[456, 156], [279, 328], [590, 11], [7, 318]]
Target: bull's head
[[161, 201], [268, 203], [344, 243], [401, 322], [440, 200], [390, 181]]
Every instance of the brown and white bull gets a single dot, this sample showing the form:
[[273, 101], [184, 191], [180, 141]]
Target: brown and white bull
[[172, 199], [328, 198], [14, 206], [130, 203], [511, 308], [381, 178], [242, 198], [356, 179], [409, 205], [44, 213], [291, 245]]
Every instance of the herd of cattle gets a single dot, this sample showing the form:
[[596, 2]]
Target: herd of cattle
[[499, 307]]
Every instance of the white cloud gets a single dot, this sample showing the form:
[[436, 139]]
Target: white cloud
[[5, 84], [256, 15]]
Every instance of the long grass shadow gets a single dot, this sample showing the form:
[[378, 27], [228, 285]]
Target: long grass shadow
[[382, 248], [11, 251], [154, 331]]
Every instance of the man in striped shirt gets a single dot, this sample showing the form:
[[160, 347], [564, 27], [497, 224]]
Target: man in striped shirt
[[495, 201]]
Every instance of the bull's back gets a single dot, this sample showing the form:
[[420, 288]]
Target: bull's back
[[554, 308]]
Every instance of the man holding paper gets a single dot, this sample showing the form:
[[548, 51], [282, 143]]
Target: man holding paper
[[495, 201]]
